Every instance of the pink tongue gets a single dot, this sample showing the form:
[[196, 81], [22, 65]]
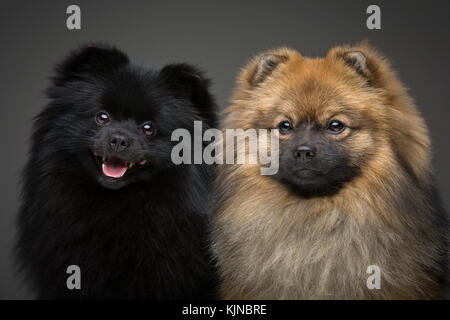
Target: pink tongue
[[114, 170]]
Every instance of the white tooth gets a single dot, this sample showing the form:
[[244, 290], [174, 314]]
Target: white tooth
[[130, 164], [104, 159]]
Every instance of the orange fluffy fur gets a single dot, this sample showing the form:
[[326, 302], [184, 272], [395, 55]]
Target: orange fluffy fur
[[272, 244]]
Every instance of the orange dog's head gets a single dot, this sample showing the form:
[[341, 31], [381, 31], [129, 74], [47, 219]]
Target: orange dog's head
[[338, 117]]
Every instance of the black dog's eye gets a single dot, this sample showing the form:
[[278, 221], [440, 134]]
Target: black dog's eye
[[102, 118], [335, 126], [148, 129], [285, 126]]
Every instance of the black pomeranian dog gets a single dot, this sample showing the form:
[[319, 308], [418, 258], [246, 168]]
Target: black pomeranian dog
[[100, 190]]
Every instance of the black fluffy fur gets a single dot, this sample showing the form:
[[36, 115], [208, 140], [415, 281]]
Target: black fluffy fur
[[143, 237]]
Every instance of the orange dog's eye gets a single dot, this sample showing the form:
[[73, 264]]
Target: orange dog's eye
[[285, 126], [335, 127]]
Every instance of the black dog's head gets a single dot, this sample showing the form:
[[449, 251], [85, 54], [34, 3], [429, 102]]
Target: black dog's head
[[113, 121]]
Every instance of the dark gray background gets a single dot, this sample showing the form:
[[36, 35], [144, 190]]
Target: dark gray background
[[220, 37]]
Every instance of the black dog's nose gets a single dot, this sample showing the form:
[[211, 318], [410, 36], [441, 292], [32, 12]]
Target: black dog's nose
[[119, 142], [304, 153]]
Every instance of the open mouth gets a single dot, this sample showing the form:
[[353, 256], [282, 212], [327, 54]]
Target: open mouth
[[114, 167]]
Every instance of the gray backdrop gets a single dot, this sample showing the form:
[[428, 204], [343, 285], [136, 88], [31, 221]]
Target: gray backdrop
[[220, 37]]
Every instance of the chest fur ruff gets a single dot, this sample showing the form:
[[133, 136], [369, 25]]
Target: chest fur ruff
[[317, 250]]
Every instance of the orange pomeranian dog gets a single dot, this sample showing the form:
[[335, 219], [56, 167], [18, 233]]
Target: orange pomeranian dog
[[353, 198]]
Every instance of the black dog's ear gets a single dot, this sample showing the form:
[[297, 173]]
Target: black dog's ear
[[98, 59], [358, 61], [188, 82]]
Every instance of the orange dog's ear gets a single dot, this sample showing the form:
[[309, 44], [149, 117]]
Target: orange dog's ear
[[358, 61], [261, 67], [267, 63], [365, 61]]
